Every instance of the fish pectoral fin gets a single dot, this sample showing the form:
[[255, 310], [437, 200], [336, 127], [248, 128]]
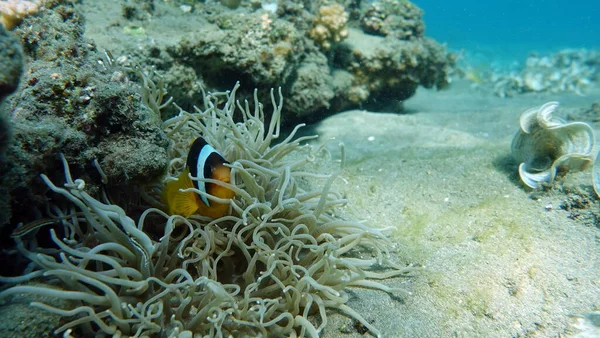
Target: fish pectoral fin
[[184, 204], [181, 203]]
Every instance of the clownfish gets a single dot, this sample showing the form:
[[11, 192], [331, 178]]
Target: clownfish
[[203, 161]]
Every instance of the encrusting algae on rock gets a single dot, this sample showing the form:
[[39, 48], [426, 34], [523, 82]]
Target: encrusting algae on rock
[[271, 266]]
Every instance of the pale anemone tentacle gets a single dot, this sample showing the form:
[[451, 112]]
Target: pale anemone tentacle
[[546, 144], [596, 175]]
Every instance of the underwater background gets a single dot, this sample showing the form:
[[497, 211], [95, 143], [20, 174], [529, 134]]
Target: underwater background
[[507, 31], [384, 168]]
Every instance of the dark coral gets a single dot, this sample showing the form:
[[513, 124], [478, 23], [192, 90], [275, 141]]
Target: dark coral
[[11, 59], [70, 103]]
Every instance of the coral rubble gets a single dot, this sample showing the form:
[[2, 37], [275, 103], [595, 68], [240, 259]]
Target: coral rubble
[[564, 71]]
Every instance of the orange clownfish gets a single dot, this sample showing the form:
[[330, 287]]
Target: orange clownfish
[[203, 161]]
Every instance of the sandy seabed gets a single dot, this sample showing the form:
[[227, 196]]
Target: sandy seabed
[[499, 260]]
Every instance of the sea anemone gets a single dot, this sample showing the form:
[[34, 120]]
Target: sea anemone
[[271, 267], [546, 145]]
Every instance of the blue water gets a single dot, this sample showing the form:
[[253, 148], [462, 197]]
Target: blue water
[[508, 30]]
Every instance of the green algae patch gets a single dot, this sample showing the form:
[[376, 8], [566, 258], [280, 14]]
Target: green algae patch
[[498, 220], [134, 31], [487, 224]]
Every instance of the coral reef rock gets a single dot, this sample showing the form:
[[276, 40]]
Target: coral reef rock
[[401, 19], [11, 59], [305, 49], [311, 91], [71, 104], [259, 50], [545, 145], [387, 69]]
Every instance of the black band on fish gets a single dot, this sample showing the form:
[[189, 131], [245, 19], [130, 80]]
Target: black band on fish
[[203, 159]]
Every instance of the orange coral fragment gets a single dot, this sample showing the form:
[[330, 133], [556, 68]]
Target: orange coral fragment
[[12, 12]]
